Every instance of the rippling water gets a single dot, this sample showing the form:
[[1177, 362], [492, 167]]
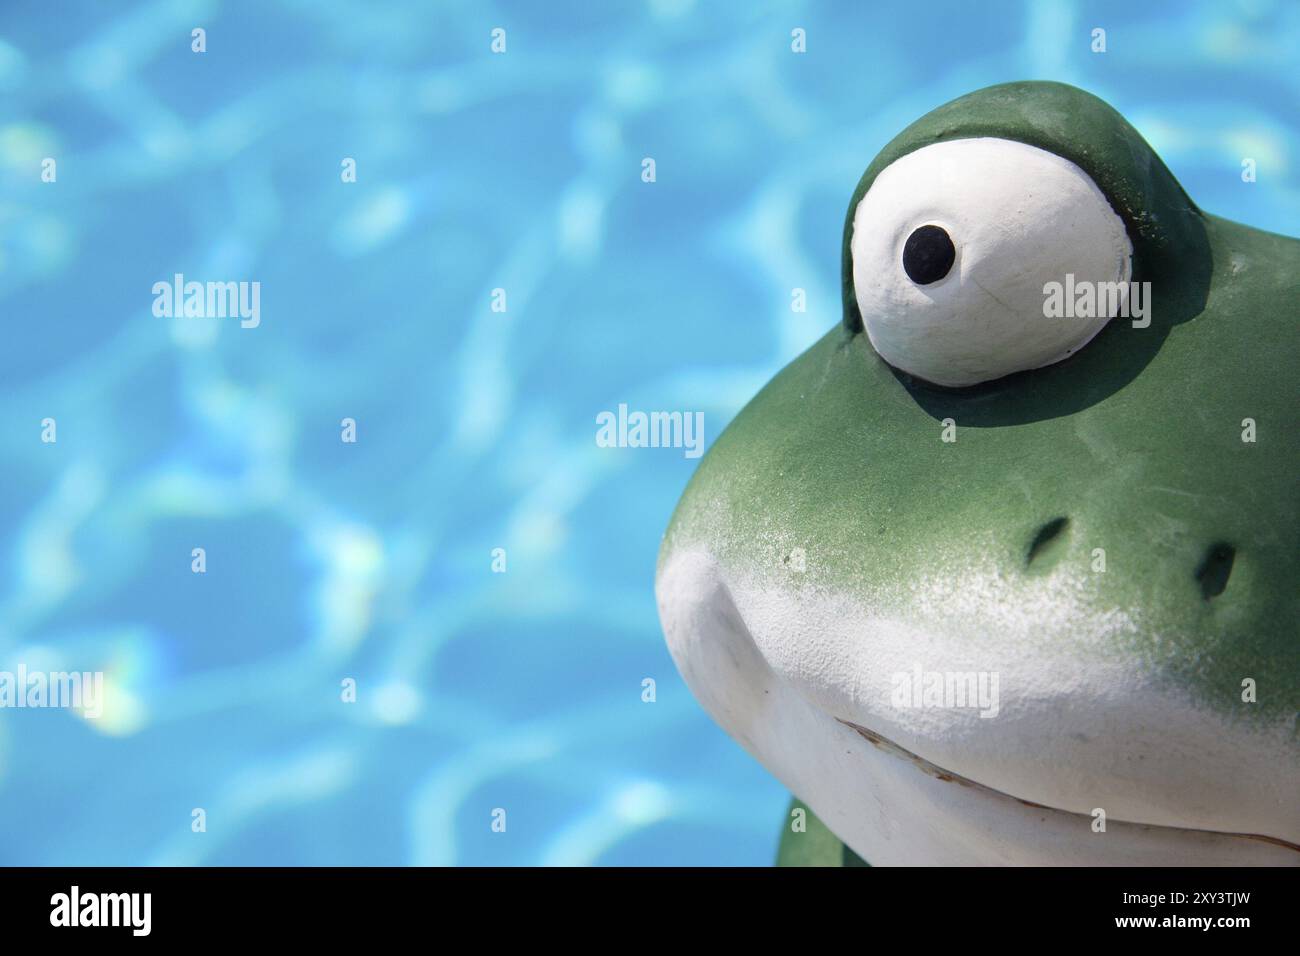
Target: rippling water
[[328, 560]]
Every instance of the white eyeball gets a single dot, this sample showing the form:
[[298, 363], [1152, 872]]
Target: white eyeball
[[953, 245]]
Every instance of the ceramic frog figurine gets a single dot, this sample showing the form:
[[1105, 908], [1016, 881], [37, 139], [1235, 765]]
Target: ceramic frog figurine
[[1005, 569]]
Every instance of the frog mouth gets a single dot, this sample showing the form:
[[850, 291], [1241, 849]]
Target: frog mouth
[[888, 746], [790, 678]]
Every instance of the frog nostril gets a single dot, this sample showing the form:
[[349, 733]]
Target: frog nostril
[[1215, 568], [1047, 535]]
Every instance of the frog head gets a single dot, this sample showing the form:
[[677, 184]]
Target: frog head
[[1006, 567]]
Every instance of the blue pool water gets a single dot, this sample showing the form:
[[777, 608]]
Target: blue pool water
[[372, 560]]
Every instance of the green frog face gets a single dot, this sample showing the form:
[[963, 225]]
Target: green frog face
[[990, 574]]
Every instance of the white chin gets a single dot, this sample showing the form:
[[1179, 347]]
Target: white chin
[[889, 805]]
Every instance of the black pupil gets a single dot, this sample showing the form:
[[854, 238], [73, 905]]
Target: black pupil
[[928, 255]]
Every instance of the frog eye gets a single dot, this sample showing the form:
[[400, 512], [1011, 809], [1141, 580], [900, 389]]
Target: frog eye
[[954, 247]]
